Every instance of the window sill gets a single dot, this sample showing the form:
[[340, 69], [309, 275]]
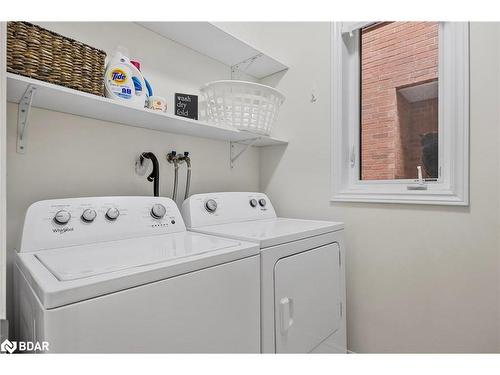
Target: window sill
[[410, 197]]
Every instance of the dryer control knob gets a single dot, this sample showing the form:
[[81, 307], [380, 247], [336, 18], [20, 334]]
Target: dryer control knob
[[211, 205], [112, 213], [62, 217], [158, 211], [262, 202], [253, 202], [89, 215]]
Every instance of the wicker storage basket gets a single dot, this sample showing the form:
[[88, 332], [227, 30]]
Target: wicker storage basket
[[42, 54], [244, 105]]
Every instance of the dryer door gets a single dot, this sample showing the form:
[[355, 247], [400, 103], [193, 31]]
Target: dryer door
[[307, 299]]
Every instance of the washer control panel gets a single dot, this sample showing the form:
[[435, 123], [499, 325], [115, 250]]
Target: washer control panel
[[68, 222], [220, 208]]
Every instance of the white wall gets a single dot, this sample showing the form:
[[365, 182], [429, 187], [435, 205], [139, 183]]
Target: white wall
[[420, 278], [70, 156]]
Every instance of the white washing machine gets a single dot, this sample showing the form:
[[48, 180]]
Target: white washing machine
[[302, 269], [122, 274]]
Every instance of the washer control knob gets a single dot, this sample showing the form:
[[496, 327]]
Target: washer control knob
[[211, 205], [62, 217], [253, 202], [262, 202], [112, 213], [89, 215], [158, 211]]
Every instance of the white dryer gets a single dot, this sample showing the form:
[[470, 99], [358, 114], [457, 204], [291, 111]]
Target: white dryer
[[122, 274], [302, 269]]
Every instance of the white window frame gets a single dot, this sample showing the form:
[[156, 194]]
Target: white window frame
[[452, 185]]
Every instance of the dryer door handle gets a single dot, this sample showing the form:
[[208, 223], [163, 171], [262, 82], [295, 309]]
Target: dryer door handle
[[286, 314]]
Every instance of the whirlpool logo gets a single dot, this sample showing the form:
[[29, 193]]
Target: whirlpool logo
[[8, 346], [63, 230]]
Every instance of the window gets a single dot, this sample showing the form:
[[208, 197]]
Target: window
[[399, 100], [400, 115]]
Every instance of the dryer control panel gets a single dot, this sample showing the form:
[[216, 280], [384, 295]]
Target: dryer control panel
[[60, 223], [221, 208]]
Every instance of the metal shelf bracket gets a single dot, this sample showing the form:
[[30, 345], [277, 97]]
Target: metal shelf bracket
[[244, 65], [234, 154], [23, 114]]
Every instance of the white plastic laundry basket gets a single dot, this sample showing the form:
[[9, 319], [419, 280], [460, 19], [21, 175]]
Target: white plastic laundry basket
[[244, 105]]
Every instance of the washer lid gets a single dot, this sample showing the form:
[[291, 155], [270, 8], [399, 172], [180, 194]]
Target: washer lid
[[90, 260], [271, 232], [67, 275]]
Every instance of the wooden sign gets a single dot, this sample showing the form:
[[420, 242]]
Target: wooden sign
[[186, 105]]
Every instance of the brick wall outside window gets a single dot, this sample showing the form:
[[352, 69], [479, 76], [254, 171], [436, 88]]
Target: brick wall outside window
[[396, 56]]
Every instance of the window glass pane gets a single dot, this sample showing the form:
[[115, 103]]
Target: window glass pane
[[399, 100]]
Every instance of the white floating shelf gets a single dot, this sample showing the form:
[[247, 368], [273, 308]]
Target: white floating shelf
[[62, 99], [210, 40]]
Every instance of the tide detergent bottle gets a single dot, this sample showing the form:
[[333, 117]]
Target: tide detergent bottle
[[124, 82]]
